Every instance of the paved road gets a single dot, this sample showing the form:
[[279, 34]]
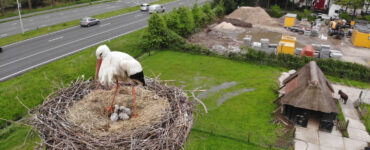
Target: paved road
[[21, 57], [31, 23]]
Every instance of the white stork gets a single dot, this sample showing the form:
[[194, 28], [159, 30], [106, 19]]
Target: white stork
[[118, 66]]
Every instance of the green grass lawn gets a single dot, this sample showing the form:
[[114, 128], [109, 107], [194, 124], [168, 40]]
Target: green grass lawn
[[69, 24], [226, 126], [366, 119]]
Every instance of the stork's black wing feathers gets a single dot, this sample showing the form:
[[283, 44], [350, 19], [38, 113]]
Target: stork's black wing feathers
[[138, 77]]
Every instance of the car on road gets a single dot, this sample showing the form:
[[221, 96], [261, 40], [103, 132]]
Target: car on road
[[156, 8], [89, 21], [144, 7]]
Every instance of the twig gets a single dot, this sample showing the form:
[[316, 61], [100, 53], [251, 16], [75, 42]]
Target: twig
[[204, 106], [14, 122], [23, 104]]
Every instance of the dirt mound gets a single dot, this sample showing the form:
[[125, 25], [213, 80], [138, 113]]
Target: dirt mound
[[90, 114], [253, 15], [224, 26]]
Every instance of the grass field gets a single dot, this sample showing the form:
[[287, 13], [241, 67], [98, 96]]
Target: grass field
[[65, 25], [226, 126]]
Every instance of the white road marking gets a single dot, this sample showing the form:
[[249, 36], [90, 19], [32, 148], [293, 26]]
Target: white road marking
[[104, 24], [43, 25], [3, 35], [56, 58], [71, 42], [14, 23], [56, 39]]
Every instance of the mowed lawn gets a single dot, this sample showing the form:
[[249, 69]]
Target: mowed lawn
[[228, 125]]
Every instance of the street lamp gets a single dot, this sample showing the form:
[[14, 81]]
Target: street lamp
[[20, 17]]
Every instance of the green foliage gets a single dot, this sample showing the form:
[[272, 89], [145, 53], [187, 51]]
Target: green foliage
[[219, 9], [276, 11], [229, 5], [157, 35], [198, 16], [367, 17], [186, 25], [346, 16], [209, 14], [172, 20]]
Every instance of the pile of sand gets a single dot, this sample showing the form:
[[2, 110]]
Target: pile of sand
[[225, 26], [89, 113], [253, 15]]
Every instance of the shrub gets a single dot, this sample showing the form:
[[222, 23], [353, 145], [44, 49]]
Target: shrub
[[276, 11], [345, 15], [186, 25], [209, 14], [198, 16], [367, 17], [172, 20], [157, 35], [219, 9]]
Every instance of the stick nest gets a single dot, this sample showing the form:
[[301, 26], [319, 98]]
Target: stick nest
[[58, 132]]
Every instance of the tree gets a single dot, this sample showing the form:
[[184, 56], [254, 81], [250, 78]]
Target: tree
[[186, 25], [198, 15], [157, 35], [29, 4], [2, 7], [357, 4]]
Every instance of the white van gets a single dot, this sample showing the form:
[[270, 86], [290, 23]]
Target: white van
[[156, 8]]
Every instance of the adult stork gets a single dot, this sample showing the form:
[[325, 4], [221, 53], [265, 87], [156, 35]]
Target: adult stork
[[112, 65]]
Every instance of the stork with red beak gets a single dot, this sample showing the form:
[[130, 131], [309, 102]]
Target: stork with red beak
[[118, 66]]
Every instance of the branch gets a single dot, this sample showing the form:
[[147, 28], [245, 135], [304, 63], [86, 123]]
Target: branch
[[204, 106]]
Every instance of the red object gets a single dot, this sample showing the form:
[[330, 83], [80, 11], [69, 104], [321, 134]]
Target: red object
[[308, 51], [320, 4]]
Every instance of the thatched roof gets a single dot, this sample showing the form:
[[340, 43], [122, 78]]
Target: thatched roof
[[309, 89]]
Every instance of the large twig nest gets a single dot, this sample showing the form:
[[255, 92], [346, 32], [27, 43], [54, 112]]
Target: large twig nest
[[61, 128]]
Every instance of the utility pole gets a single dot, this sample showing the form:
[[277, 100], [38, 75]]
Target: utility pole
[[20, 17]]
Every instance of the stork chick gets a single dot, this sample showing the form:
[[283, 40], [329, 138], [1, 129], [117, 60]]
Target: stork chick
[[114, 115]]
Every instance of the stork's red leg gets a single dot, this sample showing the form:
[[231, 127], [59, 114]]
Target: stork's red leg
[[134, 95], [110, 108]]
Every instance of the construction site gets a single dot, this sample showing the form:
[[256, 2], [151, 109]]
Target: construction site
[[322, 38]]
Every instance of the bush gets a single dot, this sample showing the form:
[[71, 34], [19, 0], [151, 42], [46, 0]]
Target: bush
[[157, 35], [186, 25], [209, 14], [367, 17], [219, 9], [276, 11], [346, 16], [172, 20], [198, 16]]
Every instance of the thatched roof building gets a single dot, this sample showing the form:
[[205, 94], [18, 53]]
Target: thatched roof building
[[309, 89], [309, 92]]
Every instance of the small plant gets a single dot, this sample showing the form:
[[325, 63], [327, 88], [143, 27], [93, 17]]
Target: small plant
[[276, 11], [345, 15]]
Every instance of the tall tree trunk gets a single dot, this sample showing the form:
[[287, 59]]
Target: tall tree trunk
[[52, 3], [2, 7], [29, 4], [286, 4], [268, 4], [275, 2], [257, 2]]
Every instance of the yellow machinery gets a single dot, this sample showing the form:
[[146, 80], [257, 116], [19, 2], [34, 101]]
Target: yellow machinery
[[287, 44], [353, 23], [336, 29], [361, 35], [290, 20]]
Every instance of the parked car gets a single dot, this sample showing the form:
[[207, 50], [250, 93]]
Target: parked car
[[88, 21], [144, 7], [156, 8]]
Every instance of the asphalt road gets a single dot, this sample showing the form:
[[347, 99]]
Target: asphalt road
[[31, 23], [23, 56]]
